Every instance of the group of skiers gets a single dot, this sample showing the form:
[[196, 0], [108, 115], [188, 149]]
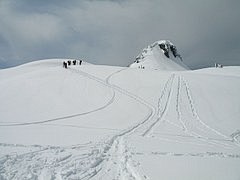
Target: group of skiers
[[141, 67], [73, 62], [217, 65]]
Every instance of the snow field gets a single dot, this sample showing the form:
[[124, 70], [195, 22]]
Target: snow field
[[102, 122]]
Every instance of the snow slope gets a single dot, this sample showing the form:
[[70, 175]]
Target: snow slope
[[104, 122]]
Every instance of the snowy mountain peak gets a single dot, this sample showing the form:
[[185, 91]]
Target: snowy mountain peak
[[161, 55]]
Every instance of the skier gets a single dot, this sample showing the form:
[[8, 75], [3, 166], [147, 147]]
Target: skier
[[64, 64], [80, 62], [74, 62], [69, 63]]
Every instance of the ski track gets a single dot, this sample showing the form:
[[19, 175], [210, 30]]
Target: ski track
[[90, 164], [84, 172], [113, 155], [184, 128], [82, 127], [111, 100], [201, 125], [205, 154], [195, 114], [235, 137], [196, 121], [162, 112], [113, 143]]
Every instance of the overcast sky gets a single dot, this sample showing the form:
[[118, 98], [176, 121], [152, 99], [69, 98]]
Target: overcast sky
[[113, 32]]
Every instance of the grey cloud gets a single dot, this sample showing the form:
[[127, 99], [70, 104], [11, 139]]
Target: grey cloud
[[113, 32]]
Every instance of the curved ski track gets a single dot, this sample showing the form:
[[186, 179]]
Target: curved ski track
[[76, 162], [89, 166], [116, 145], [110, 101]]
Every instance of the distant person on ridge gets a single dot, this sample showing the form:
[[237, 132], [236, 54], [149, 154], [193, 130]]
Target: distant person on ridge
[[80, 62], [64, 64], [69, 63], [74, 62]]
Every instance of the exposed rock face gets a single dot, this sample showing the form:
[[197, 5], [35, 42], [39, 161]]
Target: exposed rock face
[[168, 47]]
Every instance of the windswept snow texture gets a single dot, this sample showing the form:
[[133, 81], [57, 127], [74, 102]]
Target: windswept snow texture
[[103, 122], [161, 55]]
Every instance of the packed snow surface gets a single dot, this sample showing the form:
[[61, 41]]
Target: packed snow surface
[[103, 122]]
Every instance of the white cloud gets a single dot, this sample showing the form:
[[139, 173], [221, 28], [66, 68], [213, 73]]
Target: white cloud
[[30, 28]]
